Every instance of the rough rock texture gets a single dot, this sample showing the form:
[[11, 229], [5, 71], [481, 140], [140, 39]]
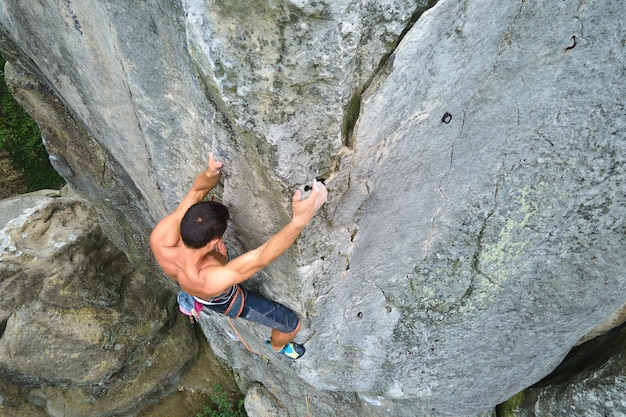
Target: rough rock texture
[[612, 321], [590, 382], [475, 226], [261, 402], [514, 209], [82, 332]]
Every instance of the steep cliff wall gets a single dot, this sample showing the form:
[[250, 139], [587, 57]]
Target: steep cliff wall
[[474, 230]]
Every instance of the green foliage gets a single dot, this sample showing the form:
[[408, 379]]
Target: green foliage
[[223, 406], [21, 138]]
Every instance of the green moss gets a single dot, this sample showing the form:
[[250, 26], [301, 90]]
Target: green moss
[[21, 138], [510, 407], [249, 10]]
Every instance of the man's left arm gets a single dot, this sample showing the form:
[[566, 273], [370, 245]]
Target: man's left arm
[[217, 278], [167, 231]]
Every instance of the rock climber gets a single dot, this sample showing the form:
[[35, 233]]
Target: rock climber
[[188, 246]]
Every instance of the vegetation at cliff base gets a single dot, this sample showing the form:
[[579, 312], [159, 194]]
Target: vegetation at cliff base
[[21, 138], [223, 406]]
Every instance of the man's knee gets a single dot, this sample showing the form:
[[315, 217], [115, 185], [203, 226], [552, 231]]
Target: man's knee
[[291, 329], [297, 329]]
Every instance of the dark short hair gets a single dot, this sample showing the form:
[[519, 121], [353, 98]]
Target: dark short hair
[[203, 222]]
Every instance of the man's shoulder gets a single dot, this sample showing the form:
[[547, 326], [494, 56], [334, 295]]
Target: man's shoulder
[[166, 234], [167, 259]]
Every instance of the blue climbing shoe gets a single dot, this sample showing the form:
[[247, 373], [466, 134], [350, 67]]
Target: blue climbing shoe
[[291, 350]]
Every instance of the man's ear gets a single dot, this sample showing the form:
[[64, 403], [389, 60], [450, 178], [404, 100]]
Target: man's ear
[[221, 247], [213, 244]]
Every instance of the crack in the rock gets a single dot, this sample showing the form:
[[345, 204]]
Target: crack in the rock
[[539, 133], [506, 38], [385, 66], [479, 248], [445, 174], [3, 326], [479, 244], [377, 286], [130, 93], [442, 194]]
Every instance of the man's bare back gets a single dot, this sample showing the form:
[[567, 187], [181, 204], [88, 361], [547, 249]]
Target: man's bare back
[[185, 269]]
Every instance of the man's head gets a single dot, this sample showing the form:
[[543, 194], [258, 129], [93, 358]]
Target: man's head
[[203, 222]]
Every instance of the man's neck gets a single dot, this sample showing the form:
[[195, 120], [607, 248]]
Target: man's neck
[[201, 255]]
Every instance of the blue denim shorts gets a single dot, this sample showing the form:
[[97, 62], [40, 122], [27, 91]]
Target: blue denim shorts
[[259, 309]]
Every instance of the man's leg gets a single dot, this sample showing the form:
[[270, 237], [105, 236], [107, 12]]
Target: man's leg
[[280, 339], [284, 322]]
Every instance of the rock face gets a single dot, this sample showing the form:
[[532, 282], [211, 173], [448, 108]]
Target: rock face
[[475, 226], [590, 382], [68, 337]]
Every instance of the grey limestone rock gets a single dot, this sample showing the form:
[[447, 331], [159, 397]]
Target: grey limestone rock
[[511, 205], [475, 225]]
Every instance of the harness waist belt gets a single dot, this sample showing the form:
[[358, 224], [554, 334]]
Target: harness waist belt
[[235, 296], [221, 299]]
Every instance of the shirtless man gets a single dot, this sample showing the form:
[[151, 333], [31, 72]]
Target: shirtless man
[[188, 246]]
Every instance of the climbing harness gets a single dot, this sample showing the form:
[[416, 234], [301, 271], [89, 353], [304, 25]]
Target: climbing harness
[[192, 306], [236, 303]]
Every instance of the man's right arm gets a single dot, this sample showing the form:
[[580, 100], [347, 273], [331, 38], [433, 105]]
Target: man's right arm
[[248, 264], [167, 232]]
